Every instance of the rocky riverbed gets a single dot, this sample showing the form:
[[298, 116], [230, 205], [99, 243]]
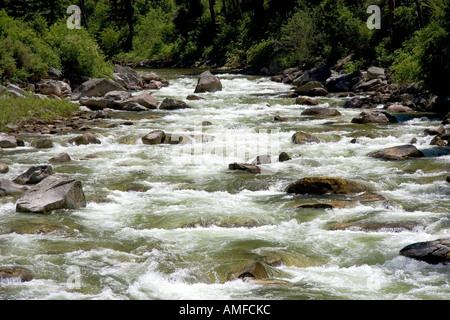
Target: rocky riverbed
[[307, 185]]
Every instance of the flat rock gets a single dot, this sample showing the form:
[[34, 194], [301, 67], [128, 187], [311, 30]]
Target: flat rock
[[404, 152], [53, 193], [252, 168], [325, 185], [321, 112], [432, 252]]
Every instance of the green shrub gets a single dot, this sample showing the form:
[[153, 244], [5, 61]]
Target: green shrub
[[23, 53], [78, 52]]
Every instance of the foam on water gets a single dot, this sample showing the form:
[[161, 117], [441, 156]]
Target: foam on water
[[170, 221]]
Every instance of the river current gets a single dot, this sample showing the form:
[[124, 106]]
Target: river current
[[173, 222]]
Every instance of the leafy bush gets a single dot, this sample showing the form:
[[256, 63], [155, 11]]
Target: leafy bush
[[78, 52], [23, 54]]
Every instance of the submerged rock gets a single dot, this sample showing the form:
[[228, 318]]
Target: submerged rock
[[433, 252], [208, 82], [397, 153], [324, 185], [19, 274], [252, 168], [256, 271], [53, 193], [321, 112]]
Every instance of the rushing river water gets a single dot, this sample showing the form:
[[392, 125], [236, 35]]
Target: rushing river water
[[173, 222]]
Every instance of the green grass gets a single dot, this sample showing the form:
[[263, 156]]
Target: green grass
[[19, 111]]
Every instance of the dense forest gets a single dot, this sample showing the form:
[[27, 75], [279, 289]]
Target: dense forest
[[413, 40]]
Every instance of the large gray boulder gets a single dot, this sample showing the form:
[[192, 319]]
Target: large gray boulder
[[404, 152], [96, 88], [53, 193], [433, 252], [208, 82], [321, 112]]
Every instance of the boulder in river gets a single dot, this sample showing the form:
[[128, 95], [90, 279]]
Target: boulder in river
[[34, 175], [374, 117], [252, 168], [304, 137], [324, 185], [60, 158], [403, 152], [432, 252], [53, 193], [15, 274], [360, 103], [312, 89], [87, 138], [144, 99], [8, 141], [42, 143], [4, 167], [172, 104], [308, 101], [321, 112], [154, 137], [96, 88], [208, 82], [256, 271], [10, 188]]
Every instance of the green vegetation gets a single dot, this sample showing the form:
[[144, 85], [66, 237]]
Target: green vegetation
[[20, 111], [250, 34]]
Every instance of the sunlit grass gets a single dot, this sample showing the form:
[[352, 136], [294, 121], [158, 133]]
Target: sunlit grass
[[19, 111]]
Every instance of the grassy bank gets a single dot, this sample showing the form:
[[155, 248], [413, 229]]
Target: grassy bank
[[20, 111]]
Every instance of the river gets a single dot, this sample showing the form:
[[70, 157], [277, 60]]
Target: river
[[173, 222]]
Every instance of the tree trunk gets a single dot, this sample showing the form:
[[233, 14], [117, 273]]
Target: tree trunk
[[212, 12]]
